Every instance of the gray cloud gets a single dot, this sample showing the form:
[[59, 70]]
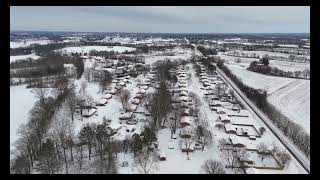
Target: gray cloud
[[163, 19]]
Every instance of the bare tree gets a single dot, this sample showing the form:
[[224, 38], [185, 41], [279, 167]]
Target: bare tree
[[124, 96], [40, 93], [72, 104], [222, 143], [238, 60], [104, 80], [86, 136], [62, 130], [79, 156], [146, 161], [262, 130], [262, 150], [283, 157], [188, 141], [206, 139], [219, 90], [173, 118], [211, 166], [232, 158]]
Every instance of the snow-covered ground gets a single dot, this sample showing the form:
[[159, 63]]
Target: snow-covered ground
[[27, 43], [259, 81], [178, 53], [290, 96], [262, 53], [21, 102], [282, 65], [294, 101], [176, 161], [23, 57], [87, 49]]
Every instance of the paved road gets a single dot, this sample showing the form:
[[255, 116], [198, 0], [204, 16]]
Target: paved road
[[296, 153]]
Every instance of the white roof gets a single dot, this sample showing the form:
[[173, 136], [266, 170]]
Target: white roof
[[183, 98], [242, 120], [184, 92], [185, 119], [144, 87], [108, 96], [182, 85], [224, 117], [88, 112], [221, 109], [243, 112], [142, 91], [68, 66], [103, 101], [229, 127], [236, 140]]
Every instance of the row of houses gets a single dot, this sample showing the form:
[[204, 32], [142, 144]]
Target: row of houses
[[240, 128]]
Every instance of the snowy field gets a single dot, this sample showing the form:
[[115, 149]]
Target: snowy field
[[178, 53], [290, 96], [87, 49], [294, 101], [283, 65], [21, 102], [27, 43], [262, 53], [23, 57], [153, 59]]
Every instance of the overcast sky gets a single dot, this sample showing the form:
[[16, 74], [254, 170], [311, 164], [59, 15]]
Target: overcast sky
[[183, 19]]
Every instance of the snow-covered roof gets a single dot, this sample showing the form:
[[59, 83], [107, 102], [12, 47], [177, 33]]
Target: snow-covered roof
[[183, 98], [224, 117], [142, 91], [144, 87], [185, 119], [108, 96], [236, 140], [242, 120], [89, 112], [68, 66], [103, 101], [229, 127], [221, 109]]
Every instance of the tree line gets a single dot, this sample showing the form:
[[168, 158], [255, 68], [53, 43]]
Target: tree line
[[263, 67]]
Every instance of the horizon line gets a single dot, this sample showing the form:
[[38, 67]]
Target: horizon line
[[163, 32]]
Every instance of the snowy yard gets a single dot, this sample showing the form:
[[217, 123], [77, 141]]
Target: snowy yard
[[21, 102], [18, 44], [23, 57], [87, 49]]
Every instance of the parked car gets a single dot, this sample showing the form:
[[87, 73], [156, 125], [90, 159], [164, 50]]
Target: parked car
[[162, 155]]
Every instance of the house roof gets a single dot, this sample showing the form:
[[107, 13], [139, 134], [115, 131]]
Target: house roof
[[229, 127], [103, 100], [235, 140], [185, 119], [221, 109], [224, 117], [183, 98]]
